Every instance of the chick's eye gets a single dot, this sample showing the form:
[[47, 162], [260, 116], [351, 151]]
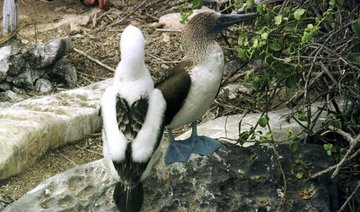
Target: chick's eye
[[218, 21]]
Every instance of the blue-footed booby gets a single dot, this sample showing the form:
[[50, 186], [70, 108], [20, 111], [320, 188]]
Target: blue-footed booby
[[133, 120], [191, 87]]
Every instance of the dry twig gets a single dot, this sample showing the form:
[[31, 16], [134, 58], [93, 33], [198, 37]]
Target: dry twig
[[94, 60], [127, 15], [352, 141]]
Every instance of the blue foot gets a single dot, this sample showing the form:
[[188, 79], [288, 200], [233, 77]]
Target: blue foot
[[178, 151], [204, 145]]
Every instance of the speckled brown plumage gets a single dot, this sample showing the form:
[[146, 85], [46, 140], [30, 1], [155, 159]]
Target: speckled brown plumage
[[130, 119]]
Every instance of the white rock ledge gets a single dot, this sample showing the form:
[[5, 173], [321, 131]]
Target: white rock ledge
[[30, 128]]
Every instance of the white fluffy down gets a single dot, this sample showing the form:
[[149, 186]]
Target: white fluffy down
[[131, 82], [114, 142], [144, 143]]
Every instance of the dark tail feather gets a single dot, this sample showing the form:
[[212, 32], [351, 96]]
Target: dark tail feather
[[129, 199]]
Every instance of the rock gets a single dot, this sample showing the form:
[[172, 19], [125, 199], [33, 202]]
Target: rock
[[234, 179], [11, 96], [41, 124], [22, 65], [227, 128], [64, 72], [43, 86], [5, 53], [18, 90], [17, 61], [75, 28], [44, 55], [4, 86], [24, 80], [4, 104]]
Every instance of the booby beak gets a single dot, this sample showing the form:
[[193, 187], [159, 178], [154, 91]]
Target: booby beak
[[227, 20]]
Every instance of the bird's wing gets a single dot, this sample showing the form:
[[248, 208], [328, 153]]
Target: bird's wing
[[175, 85], [115, 142], [148, 138], [130, 120]]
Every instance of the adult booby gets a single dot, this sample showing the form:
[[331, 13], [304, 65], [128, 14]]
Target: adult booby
[[133, 117], [190, 88]]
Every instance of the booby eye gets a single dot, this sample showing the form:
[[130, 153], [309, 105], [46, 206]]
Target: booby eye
[[218, 21]]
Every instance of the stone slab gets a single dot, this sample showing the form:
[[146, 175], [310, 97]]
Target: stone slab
[[30, 128]]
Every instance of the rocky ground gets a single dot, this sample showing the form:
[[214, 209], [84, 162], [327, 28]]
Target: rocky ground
[[96, 33]]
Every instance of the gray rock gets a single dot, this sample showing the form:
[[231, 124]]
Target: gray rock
[[4, 104], [24, 80], [64, 72], [234, 179], [43, 86], [44, 55], [4, 86], [39, 124], [227, 127], [11, 96], [5, 53], [17, 60], [22, 64], [18, 90]]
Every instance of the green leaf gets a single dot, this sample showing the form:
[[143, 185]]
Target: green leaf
[[287, 59], [354, 57], [250, 3], [264, 36], [299, 13], [260, 8], [332, 2], [328, 148], [278, 19], [356, 27], [301, 115], [242, 53], [294, 146], [299, 175], [255, 42], [263, 120], [293, 136], [197, 4], [275, 45]]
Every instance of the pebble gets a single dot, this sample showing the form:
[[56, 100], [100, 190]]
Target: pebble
[[43, 86]]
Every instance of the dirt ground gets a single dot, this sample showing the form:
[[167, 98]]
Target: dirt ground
[[91, 32]]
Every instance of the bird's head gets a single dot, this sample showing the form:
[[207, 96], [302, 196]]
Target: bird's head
[[132, 45], [208, 23]]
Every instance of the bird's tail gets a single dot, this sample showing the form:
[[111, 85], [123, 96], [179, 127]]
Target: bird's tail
[[129, 198]]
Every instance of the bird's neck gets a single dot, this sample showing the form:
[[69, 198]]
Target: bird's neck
[[197, 46], [130, 70]]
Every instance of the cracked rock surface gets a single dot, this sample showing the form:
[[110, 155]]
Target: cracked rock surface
[[234, 179]]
